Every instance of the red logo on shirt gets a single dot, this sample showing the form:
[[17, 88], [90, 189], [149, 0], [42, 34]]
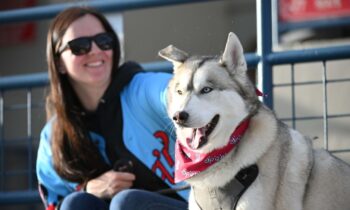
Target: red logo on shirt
[[164, 152]]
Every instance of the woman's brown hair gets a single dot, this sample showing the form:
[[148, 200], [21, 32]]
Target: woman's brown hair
[[75, 157]]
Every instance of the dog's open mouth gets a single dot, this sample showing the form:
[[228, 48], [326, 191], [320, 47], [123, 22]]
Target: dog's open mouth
[[200, 135]]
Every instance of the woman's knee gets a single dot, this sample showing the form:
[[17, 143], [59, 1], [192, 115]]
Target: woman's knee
[[122, 199], [140, 199], [82, 200]]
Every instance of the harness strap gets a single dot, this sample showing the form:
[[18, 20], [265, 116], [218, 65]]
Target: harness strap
[[246, 177], [227, 197]]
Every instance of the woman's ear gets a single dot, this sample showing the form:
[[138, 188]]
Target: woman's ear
[[61, 70]]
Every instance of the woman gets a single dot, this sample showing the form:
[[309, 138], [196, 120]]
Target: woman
[[106, 135]]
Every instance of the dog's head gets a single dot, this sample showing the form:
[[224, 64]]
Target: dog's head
[[209, 95]]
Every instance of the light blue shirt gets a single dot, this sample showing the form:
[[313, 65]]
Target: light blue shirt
[[147, 132]]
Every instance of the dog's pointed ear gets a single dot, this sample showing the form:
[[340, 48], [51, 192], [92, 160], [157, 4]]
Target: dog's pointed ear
[[233, 56], [174, 55]]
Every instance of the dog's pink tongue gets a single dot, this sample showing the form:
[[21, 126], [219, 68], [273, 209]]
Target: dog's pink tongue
[[197, 138]]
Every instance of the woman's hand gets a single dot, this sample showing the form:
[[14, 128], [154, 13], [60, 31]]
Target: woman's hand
[[110, 183]]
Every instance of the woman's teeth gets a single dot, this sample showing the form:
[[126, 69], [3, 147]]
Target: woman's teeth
[[95, 64]]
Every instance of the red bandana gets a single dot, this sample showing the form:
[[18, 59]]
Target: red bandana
[[189, 162]]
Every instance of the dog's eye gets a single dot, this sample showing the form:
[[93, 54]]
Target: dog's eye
[[206, 90], [179, 92]]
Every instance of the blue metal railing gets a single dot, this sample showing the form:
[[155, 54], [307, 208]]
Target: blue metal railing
[[46, 12], [309, 55], [41, 79], [270, 58], [264, 48]]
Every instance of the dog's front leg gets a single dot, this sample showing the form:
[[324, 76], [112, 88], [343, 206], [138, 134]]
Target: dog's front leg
[[192, 204], [258, 196]]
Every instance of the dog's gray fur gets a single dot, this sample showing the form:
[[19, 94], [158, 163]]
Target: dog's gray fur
[[292, 175]]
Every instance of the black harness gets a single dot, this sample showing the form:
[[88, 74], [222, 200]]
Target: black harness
[[227, 197]]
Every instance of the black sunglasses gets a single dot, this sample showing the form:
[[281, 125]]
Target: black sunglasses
[[82, 45]]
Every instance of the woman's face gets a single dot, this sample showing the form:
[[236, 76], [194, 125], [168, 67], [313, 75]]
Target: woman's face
[[91, 70]]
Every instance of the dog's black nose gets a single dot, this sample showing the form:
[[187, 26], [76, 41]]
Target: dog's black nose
[[180, 117]]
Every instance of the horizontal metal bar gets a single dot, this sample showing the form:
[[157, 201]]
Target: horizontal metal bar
[[46, 12], [252, 59], [19, 197], [24, 106], [297, 84], [309, 55], [158, 66], [41, 79], [18, 141], [339, 150], [310, 82], [24, 81], [23, 172], [316, 117]]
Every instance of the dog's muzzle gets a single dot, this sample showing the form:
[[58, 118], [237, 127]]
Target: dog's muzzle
[[199, 135]]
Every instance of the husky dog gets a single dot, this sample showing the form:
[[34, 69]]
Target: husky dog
[[232, 149]]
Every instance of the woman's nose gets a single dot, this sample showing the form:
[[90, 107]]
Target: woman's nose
[[94, 48]]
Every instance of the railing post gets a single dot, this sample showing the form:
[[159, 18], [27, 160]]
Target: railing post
[[325, 107], [29, 138], [2, 143], [264, 48]]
